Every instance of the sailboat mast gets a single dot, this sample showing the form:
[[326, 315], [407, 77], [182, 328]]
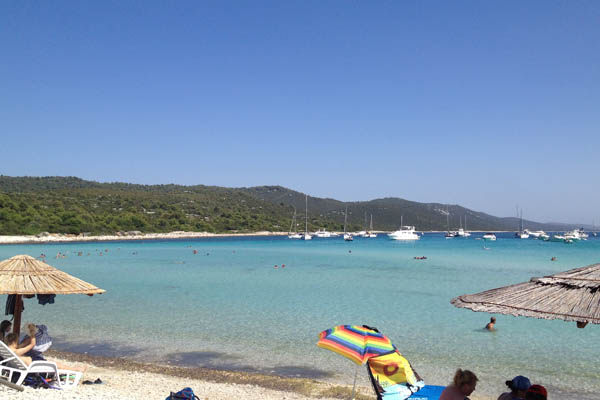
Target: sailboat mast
[[345, 219], [306, 215]]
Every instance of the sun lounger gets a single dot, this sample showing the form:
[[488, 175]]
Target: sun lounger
[[15, 370]]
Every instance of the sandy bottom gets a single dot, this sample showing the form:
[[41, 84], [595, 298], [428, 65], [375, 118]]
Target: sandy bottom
[[124, 379]]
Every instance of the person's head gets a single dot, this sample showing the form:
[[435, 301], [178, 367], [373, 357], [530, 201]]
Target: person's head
[[11, 339], [493, 320], [536, 392], [5, 327], [465, 381], [519, 384], [32, 329]]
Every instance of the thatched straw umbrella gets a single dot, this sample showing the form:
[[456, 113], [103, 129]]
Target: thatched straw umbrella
[[572, 295], [24, 275]]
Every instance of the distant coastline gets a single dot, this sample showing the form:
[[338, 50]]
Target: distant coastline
[[67, 238], [62, 238]]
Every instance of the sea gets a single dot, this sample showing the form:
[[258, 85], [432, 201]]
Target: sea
[[258, 304]]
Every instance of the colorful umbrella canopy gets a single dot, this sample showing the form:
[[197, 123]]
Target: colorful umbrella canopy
[[358, 343]]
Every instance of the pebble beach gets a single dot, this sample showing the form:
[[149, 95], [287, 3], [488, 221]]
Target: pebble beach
[[122, 379]]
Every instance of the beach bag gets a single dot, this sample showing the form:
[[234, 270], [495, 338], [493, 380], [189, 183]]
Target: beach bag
[[184, 394]]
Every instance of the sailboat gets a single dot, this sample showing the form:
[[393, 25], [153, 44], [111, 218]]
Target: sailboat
[[293, 234], [370, 233], [306, 235], [462, 232], [449, 235], [347, 237], [521, 234]]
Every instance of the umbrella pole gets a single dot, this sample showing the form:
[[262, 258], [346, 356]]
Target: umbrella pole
[[354, 384], [18, 310]]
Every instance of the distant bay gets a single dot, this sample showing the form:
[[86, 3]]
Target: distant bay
[[221, 303]]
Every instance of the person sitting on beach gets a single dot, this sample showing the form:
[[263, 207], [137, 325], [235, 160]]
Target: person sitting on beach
[[463, 385], [490, 325], [536, 392], [12, 341], [5, 328], [518, 386], [21, 349]]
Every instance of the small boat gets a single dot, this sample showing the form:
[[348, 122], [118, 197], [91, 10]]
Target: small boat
[[522, 233], [537, 234], [306, 235], [370, 233], [323, 233], [293, 234], [489, 236], [347, 236], [449, 234], [462, 232]]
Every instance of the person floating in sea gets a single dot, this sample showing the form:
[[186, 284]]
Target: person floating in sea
[[490, 325]]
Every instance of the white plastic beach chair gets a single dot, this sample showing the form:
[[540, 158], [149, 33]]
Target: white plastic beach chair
[[12, 366]]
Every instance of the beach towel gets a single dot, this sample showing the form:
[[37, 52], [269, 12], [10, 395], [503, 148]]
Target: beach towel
[[184, 394]]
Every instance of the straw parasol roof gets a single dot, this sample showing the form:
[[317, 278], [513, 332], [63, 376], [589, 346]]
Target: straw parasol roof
[[572, 295], [24, 274]]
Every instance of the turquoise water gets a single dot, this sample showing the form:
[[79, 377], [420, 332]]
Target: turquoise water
[[228, 307]]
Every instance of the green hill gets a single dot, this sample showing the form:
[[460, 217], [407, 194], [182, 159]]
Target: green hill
[[30, 205]]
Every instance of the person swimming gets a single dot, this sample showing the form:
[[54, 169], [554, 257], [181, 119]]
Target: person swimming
[[490, 325]]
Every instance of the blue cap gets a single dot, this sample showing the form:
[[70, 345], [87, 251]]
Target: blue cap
[[520, 383]]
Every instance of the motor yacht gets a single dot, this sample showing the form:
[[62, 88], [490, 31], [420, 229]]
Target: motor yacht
[[404, 233], [489, 236], [322, 233]]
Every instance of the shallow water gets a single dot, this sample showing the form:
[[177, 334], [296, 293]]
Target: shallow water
[[228, 307]]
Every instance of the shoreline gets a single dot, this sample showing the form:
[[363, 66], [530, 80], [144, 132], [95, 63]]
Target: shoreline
[[127, 379], [81, 238]]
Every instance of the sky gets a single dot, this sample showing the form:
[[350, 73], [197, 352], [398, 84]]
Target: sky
[[489, 105]]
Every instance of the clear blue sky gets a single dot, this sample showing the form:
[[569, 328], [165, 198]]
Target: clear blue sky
[[483, 104]]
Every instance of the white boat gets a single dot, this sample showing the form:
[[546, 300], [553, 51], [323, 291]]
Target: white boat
[[576, 234], [404, 233], [489, 236], [561, 238], [370, 233], [306, 235], [323, 233], [449, 234], [536, 234], [462, 232], [347, 236], [293, 234], [522, 233]]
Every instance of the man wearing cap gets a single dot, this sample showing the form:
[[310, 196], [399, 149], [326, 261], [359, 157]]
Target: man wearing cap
[[536, 392], [518, 387]]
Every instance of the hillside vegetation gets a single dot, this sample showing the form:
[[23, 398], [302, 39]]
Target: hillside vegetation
[[31, 205]]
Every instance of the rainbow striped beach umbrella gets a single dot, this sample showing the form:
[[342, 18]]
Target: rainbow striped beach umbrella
[[358, 343]]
